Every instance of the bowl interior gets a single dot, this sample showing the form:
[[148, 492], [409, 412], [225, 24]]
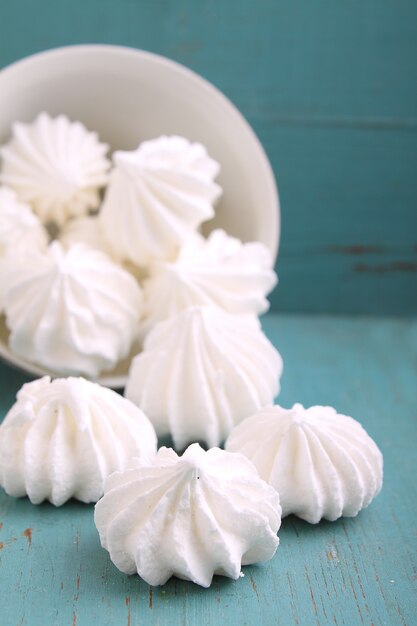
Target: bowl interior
[[128, 96]]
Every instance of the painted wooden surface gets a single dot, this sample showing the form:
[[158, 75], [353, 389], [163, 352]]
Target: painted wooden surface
[[331, 90], [353, 572]]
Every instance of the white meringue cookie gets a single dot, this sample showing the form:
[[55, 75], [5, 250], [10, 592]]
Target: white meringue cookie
[[61, 439], [20, 230], [55, 165], [73, 311], [219, 270], [323, 464], [193, 516], [201, 372], [157, 196]]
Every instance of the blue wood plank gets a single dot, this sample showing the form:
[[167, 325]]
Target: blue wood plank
[[273, 58], [353, 572], [349, 219], [331, 89]]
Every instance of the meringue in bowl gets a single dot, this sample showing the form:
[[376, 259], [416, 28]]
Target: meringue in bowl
[[127, 83]]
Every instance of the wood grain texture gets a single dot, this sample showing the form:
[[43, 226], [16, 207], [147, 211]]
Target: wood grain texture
[[331, 90], [354, 571]]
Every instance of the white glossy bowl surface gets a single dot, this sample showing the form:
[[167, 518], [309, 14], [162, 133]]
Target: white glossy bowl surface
[[129, 95]]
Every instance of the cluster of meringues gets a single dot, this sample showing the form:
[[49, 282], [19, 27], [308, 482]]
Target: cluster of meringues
[[194, 515], [134, 273], [139, 269], [126, 256]]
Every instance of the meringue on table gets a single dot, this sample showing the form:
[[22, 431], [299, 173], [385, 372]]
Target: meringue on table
[[322, 463], [193, 516], [219, 270], [73, 311], [201, 372], [157, 196], [55, 165], [62, 438]]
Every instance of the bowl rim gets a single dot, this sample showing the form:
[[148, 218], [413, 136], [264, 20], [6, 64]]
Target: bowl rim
[[62, 52]]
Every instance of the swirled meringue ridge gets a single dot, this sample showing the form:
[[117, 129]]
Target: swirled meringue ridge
[[55, 165], [219, 271], [201, 372], [61, 439], [157, 197], [322, 463], [193, 516], [74, 311]]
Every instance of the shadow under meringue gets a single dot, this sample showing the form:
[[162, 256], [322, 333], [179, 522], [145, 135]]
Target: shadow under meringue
[[168, 442]]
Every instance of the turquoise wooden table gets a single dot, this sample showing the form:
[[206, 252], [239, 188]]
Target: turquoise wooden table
[[354, 571]]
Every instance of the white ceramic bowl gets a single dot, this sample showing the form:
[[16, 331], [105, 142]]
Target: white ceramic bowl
[[129, 95]]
